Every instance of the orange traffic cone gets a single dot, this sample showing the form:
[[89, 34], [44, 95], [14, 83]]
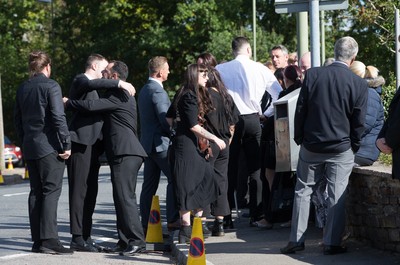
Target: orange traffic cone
[[1, 178], [197, 255], [10, 164], [154, 236]]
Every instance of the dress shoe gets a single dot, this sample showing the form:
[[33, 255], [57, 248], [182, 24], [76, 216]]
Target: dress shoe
[[36, 246], [218, 228], [54, 246], [292, 247], [118, 248], [286, 224], [228, 223], [206, 231], [253, 220], [81, 245], [90, 242], [132, 250], [333, 250], [264, 224], [115, 249]]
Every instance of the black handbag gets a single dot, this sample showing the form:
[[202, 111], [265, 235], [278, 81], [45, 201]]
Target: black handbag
[[283, 196]]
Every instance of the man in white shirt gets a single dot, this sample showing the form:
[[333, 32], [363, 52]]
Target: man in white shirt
[[247, 81]]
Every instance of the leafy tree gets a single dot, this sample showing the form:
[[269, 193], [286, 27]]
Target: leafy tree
[[22, 29]]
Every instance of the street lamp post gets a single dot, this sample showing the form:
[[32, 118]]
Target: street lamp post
[[52, 25]]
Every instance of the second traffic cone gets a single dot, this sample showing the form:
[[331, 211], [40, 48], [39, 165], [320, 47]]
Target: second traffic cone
[[10, 165], [26, 173], [154, 236], [1, 178], [197, 254]]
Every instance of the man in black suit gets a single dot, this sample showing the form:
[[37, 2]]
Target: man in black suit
[[329, 123], [124, 154], [42, 128], [83, 165], [153, 105]]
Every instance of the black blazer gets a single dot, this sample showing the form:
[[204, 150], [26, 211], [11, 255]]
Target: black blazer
[[331, 109], [120, 122], [85, 128], [40, 119]]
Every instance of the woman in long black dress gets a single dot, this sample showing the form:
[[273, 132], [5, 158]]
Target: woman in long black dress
[[194, 180], [221, 122]]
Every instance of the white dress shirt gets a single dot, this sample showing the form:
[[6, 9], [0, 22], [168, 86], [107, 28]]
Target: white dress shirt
[[247, 80]]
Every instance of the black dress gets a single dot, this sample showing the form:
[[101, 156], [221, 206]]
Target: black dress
[[218, 123], [194, 180]]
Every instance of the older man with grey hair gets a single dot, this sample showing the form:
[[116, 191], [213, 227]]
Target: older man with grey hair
[[329, 120]]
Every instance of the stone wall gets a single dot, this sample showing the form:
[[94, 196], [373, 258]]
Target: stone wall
[[372, 207]]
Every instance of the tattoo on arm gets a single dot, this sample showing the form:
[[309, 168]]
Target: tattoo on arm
[[206, 134]]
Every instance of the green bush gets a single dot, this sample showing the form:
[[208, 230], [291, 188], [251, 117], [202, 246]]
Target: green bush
[[388, 92]]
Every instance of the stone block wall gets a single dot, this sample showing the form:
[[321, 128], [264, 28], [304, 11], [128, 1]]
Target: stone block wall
[[373, 207]]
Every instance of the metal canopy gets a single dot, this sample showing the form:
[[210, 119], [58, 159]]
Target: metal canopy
[[294, 6]]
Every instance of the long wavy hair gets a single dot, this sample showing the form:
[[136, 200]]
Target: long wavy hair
[[215, 81], [191, 82]]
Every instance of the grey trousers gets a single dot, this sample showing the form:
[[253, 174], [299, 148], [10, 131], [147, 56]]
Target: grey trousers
[[311, 168]]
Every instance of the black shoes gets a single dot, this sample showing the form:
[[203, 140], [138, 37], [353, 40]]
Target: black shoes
[[333, 250], [185, 233], [228, 223], [218, 228], [132, 250], [118, 248], [54, 246], [78, 244], [292, 247], [36, 246], [206, 231], [89, 241]]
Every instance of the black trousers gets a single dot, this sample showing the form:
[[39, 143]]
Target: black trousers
[[83, 174], [45, 176], [124, 171], [219, 161], [247, 138]]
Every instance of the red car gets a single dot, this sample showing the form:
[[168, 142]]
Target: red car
[[13, 151]]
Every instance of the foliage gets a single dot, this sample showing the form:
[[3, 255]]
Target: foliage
[[385, 159], [135, 31], [22, 29]]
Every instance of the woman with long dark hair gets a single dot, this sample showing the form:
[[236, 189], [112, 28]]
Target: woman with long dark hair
[[221, 122], [194, 180]]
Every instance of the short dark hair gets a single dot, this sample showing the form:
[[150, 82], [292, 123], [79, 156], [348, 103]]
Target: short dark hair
[[238, 42], [121, 69]]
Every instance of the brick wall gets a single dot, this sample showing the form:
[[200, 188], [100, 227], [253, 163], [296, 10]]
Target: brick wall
[[372, 207]]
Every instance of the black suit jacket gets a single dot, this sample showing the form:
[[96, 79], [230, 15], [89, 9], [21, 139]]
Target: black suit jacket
[[331, 109], [85, 128], [120, 122], [40, 119]]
